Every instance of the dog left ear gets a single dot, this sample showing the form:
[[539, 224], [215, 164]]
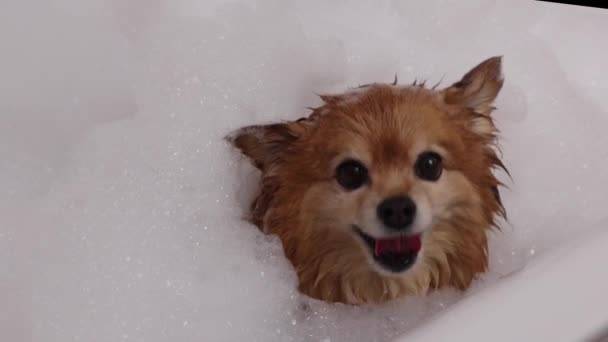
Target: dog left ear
[[478, 89], [263, 144]]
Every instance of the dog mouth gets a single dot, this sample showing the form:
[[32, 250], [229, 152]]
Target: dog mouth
[[395, 254]]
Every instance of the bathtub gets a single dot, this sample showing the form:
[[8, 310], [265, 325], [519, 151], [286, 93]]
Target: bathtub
[[559, 296]]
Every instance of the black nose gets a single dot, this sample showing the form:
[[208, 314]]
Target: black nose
[[397, 212]]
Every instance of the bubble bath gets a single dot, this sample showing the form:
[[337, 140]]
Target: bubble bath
[[121, 207]]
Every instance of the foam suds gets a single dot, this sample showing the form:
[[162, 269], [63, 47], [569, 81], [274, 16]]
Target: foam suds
[[121, 206]]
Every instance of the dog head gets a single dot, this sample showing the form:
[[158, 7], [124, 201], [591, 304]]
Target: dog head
[[383, 190]]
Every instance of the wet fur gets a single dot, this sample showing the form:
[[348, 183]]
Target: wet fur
[[384, 125]]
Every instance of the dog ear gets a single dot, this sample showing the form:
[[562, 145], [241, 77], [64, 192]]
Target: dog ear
[[263, 144], [478, 89]]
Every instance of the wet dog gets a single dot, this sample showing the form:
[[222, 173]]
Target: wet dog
[[384, 190]]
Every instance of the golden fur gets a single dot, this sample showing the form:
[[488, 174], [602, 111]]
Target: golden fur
[[384, 125]]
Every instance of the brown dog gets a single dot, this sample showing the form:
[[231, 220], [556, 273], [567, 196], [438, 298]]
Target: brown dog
[[384, 190]]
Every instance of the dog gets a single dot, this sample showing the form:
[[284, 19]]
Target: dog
[[383, 191]]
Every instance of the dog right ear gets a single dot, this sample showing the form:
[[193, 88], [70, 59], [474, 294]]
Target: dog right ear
[[478, 89], [263, 144]]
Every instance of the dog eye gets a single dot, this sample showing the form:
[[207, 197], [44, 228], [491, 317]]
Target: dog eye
[[428, 166], [351, 174]]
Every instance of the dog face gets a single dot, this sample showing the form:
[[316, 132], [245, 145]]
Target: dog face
[[384, 190]]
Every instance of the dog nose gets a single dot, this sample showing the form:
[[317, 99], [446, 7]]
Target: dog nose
[[397, 212]]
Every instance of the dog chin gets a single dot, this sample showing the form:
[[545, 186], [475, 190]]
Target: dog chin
[[392, 254]]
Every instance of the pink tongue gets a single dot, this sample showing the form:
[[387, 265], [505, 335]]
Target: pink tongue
[[399, 244]]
